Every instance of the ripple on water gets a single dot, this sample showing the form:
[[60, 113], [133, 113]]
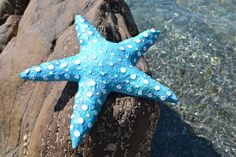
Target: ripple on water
[[197, 54]]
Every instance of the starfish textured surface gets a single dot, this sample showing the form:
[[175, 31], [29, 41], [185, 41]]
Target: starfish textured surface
[[101, 67]]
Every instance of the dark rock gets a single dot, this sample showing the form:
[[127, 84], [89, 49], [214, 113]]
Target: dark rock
[[35, 116], [11, 7], [8, 30], [10, 14]]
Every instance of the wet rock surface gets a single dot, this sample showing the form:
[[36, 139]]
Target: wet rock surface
[[195, 53], [35, 116]]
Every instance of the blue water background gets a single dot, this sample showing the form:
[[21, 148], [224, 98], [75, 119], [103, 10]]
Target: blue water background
[[196, 55]]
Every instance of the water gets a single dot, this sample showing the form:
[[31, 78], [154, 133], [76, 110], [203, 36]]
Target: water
[[196, 55]]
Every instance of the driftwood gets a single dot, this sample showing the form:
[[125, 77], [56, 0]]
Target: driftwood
[[35, 116]]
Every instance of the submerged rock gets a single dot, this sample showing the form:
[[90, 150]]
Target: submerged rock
[[197, 54]]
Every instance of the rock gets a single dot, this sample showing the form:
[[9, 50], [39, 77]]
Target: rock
[[10, 14], [11, 7], [35, 116], [8, 30]]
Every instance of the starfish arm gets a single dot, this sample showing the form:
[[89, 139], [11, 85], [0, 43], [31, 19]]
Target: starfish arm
[[88, 104], [135, 47], [86, 33], [67, 69], [137, 83]]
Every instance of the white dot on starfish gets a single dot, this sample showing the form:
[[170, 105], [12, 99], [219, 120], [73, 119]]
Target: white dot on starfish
[[100, 64], [118, 87], [99, 102], [81, 20], [129, 46], [145, 48], [71, 127], [67, 76], [95, 40], [84, 107], [77, 62], [123, 70], [50, 72], [79, 68], [75, 106], [92, 82], [56, 77], [89, 125], [45, 78], [89, 94], [85, 26], [163, 98], [77, 95], [157, 87], [145, 34], [139, 54], [120, 59], [64, 64], [121, 48], [133, 76], [87, 115], [37, 69], [80, 120], [112, 53], [77, 133], [76, 76], [50, 67], [81, 41], [103, 73], [150, 95], [111, 64], [104, 91], [140, 92], [129, 89], [168, 93], [90, 32], [145, 81], [116, 76], [138, 40], [95, 113], [27, 71], [77, 28], [135, 60], [156, 36], [127, 81], [94, 57], [81, 84], [153, 30]]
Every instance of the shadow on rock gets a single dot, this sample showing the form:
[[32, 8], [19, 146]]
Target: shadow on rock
[[175, 138], [68, 92]]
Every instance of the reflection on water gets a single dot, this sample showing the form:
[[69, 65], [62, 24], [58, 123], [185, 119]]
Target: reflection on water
[[196, 54]]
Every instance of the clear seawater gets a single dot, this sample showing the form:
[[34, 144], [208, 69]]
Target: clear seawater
[[196, 56]]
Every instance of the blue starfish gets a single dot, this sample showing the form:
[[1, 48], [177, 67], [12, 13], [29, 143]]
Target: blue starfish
[[101, 67]]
